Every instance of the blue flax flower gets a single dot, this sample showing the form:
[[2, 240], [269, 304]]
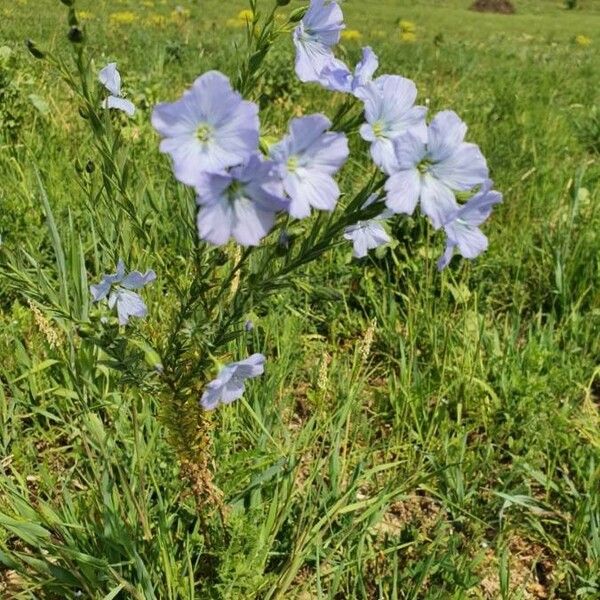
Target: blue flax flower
[[462, 225], [336, 76], [315, 37], [209, 129], [431, 172], [239, 204], [230, 383], [118, 288], [307, 159], [390, 112], [110, 78], [370, 234]]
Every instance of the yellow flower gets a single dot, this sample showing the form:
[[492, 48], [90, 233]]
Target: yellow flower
[[245, 15], [84, 15], [235, 23], [155, 20], [125, 17], [351, 35], [407, 26], [583, 40], [408, 36]]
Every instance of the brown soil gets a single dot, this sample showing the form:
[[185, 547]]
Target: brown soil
[[504, 7]]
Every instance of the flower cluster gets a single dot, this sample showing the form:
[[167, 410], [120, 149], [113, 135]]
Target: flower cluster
[[425, 164], [212, 136]]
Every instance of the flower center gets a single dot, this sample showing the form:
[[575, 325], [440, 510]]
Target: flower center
[[292, 163], [423, 166], [203, 132], [378, 128], [234, 192]]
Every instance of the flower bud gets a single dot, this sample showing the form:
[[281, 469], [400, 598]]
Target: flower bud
[[90, 167], [75, 35], [298, 14], [33, 49]]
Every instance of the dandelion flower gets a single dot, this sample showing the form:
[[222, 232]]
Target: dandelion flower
[[125, 17], [351, 35], [583, 40]]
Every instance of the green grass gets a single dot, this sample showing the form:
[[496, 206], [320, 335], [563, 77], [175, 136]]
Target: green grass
[[416, 435]]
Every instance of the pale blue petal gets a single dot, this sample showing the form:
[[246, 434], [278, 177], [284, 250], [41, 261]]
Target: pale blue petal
[[462, 169], [232, 390], [403, 190], [445, 259], [479, 207], [129, 304], [253, 366], [136, 280], [120, 104], [384, 155], [446, 133], [437, 201], [110, 78], [365, 69], [250, 223], [215, 222], [212, 395], [305, 131], [409, 150], [100, 291], [471, 241]]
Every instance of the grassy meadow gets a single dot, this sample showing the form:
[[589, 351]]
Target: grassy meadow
[[415, 435]]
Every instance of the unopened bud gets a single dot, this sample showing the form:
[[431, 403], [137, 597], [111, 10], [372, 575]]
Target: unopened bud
[[75, 35], [33, 49], [90, 167], [297, 14]]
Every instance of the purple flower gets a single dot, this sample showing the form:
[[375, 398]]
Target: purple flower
[[209, 129], [390, 112], [337, 77], [314, 38], [239, 204], [307, 159], [230, 383], [431, 172], [370, 234], [118, 289], [110, 78], [462, 225]]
